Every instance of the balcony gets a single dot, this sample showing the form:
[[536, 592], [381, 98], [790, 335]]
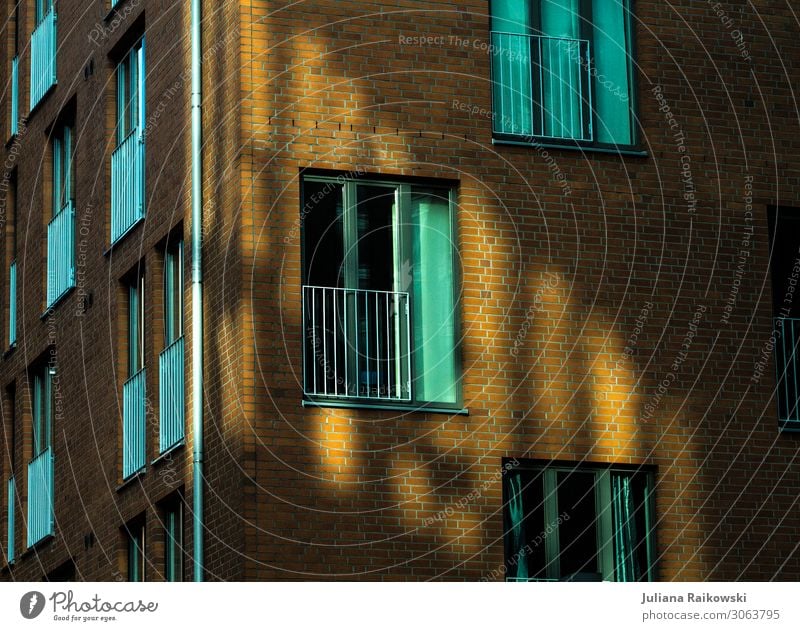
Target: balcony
[[15, 96], [357, 344], [12, 501], [12, 304], [133, 425], [43, 57], [61, 253], [787, 360], [127, 185], [171, 396], [542, 87], [40, 497]]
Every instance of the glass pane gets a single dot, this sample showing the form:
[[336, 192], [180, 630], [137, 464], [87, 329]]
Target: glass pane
[[375, 210], [578, 533], [511, 67], [611, 58], [525, 526], [323, 233], [433, 297]]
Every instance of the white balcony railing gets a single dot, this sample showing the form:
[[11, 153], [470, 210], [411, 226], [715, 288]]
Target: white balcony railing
[[356, 344]]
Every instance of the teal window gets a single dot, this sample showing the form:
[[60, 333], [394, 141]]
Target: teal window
[[61, 228], [42, 409], [128, 158], [134, 406], [562, 72], [578, 523], [41, 498], [63, 175], [135, 539], [173, 541], [11, 245], [784, 227], [131, 93], [173, 292], [171, 375], [41, 9], [136, 329], [380, 297]]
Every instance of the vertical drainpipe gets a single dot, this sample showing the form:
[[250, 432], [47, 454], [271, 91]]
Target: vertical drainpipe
[[197, 292]]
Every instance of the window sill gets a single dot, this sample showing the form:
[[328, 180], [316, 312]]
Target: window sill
[[133, 478], [37, 546], [56, 302], [122, 237], [10, 351], [638, 153], [789, 427], [168, 453], [396, 407]]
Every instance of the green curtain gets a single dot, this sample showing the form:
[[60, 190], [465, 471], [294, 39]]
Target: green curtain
[[511, 67], [611, 59], [626, 566], [560, 69], [433, 299], [517, 513]]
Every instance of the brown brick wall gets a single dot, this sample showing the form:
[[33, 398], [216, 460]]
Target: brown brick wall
[[345, 493], [299, 492]]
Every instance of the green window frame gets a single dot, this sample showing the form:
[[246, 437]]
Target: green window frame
[[578, 523], [42, 408], [41, 8], [63, 174], [136, 323], [563, 72], [365, 239], [135, 536], [173, 292], [131, 92], [173, 541]]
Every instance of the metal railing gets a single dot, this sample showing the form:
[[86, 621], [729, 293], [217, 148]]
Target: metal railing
[[542, 86], [12, 501], [12, 303], [15, 96], [61, 253], [356, 344], [40, 497], [787, 363], [127, 184], [43, 56], [133, 424], [171, 386]]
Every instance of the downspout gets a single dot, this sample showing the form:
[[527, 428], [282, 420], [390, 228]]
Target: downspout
[[197, 292]]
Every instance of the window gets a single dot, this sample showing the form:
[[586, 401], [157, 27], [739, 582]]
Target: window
[[127, 160], [43, 51], [136, 332], [40, 468], [173, 540], [578, 523], [14, 25], [171, 361], [11, 248], [135, 540], [11, 487], [380, 294], [130, 92], [133, 390], [42, 409], [785, 270], [562, 72], [61, 228]]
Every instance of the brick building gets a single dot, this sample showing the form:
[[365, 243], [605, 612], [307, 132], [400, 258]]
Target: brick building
[[492, 290]]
